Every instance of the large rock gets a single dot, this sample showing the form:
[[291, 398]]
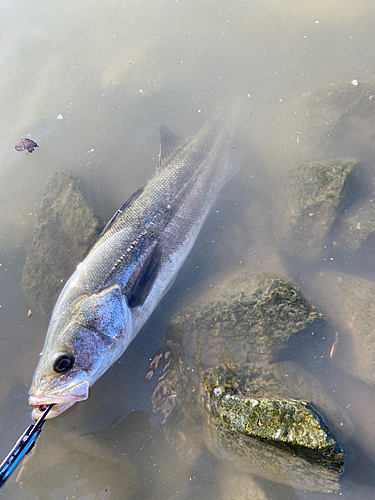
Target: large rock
[[355, 226], [242, 317], [240, 486], [253, 401], [284, 379], [251, 456], [326, 122], [273, 437], [52, 466], [64, 230], [349, 302], [245, 316], [314, 466], [306, 204], [264, 259]]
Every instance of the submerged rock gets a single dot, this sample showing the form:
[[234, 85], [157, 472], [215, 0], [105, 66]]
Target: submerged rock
[[193, 420], [241, 486], [284, 379], [292, 425], [266, 433], [256, 417], [244, 316], [306, 204], [325, 122], [288, 421], [349, 301], [64, 230], [95, 467], [260, 458], [355, 226], [264, 258]]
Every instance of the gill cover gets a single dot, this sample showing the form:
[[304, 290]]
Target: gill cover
[[107, 312], [98, 332]]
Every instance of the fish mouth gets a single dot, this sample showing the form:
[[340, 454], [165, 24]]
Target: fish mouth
[[56, 410], [62, 399]]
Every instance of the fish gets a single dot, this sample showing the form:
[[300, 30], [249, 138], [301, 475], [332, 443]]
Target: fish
[[115, 289]]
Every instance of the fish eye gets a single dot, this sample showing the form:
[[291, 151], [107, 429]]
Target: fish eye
[[63, 363]]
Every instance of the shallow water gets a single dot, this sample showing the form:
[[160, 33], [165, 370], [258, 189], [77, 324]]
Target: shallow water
[[90, 82]]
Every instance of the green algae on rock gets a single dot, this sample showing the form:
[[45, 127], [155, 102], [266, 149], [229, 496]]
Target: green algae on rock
[[285, 379], [239, 318], [247, 315], [64, 230], [271, 463], [307, 202], [282, 421], [292, 425], [280, 462]]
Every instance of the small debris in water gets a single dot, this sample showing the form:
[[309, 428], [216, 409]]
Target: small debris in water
[[26, 144], [29, 313], [334, 345]]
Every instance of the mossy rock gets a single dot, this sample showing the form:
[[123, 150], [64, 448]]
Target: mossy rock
[[306, 204], [294, 425], [247, 408], [243, 317], [238, 319], [65, 229], [261, 459]]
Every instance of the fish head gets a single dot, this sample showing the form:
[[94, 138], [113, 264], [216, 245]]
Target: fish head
[[79, 348]]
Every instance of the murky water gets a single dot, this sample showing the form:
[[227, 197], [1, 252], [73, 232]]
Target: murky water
[[90, 82]]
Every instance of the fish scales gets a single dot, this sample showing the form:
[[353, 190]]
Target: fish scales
[[115, 289]]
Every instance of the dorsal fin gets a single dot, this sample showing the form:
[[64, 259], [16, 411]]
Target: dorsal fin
[[114, 217], [169, 142]]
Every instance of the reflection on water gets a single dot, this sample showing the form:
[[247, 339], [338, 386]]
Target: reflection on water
[[90, 82]]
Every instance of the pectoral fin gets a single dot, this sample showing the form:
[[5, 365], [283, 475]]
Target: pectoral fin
[[146, 277]]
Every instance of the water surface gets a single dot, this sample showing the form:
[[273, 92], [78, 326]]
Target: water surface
[[90, 82]]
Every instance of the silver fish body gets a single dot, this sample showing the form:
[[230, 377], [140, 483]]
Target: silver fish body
[[117, 286]]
